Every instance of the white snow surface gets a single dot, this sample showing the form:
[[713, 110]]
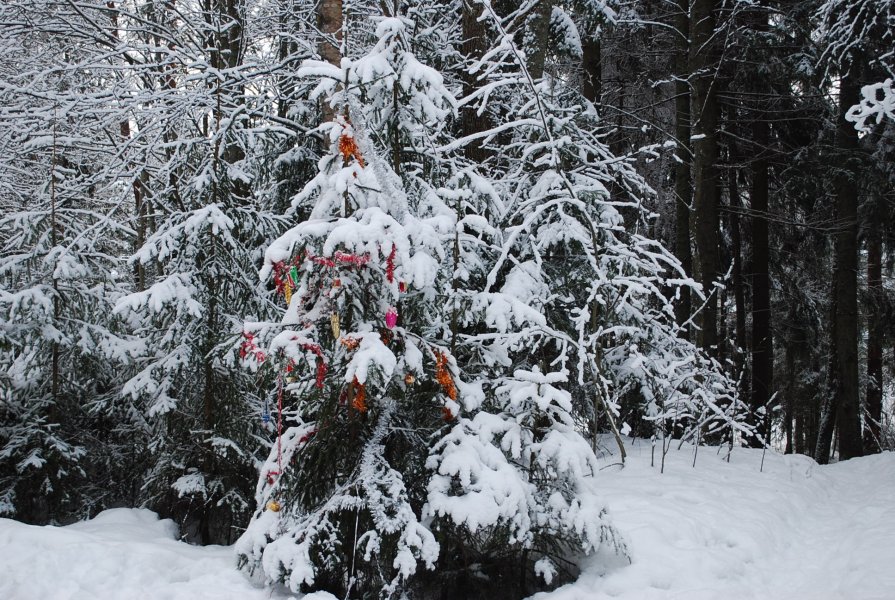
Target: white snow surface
[[122, 554], [796, 531]]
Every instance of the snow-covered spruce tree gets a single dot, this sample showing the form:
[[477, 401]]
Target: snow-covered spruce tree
[[202, 136], [368, 378], [62, 232], [57, 287], [568, 321], [547, 309], [289, 160]]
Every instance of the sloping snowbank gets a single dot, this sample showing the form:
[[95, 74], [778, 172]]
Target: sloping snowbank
[[796, 531], [122, 554]]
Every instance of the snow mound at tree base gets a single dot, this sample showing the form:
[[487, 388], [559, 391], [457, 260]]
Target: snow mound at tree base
[[122, 554], [794, 531]]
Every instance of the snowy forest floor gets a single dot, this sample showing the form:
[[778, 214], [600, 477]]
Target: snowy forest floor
[[793, 531], [796, 531]]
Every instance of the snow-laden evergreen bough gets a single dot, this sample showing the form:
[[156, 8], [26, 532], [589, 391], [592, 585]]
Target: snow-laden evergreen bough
[[62, 231], [144, 129], [528, 306], [203, 150], [368, 378], [568, 320], [865, 28]]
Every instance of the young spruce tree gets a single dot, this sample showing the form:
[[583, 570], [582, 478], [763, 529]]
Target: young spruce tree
[[452, 328], [365, 377]]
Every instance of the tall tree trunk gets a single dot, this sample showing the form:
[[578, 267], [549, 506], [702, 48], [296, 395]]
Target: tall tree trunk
[[124, 129], [540, 32], [705, 116], [592, 70], [231, 44], [874, 339], [168, 77], [762, 341], [473, 46], [846, 279], [329, 21], [844, 405], [285, 80], [54, 350], [828, 413], [683, 189], [790, 399], [737, 274]]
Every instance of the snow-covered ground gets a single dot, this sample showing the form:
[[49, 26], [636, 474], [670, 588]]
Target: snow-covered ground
[[796, 531], [122, 554]]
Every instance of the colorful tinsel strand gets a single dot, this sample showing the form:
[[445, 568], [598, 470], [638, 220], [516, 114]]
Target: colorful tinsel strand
[[443, 376], [358, 260], [348, 149], [390, 265], [358, 396], [349, 342], [248, 348]]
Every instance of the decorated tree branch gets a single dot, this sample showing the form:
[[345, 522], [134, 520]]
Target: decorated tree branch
[[365, 375]]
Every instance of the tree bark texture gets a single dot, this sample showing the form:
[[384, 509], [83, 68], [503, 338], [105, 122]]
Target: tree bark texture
[[705, 115], [737, 272], [592, 70], [845, 392], [329, 21], [874, 392], [683, 189], [475, 42], [540, 33], [124, 129], [829, 409], [789, 400], [762, 340], [846, 279]]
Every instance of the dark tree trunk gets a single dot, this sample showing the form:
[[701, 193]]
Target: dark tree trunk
[[286, 81], [808, 410], [124, 129], [683, 189], [789, 400], [827, 420], [705, 160], [762, 341], [874, 339], [844, 401], [737, 274], [475, 42], [540, 32], [232, 51], [592, 70], [329, 20], [846, 280]]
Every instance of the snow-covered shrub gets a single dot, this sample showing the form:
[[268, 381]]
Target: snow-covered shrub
[[564, 315]]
